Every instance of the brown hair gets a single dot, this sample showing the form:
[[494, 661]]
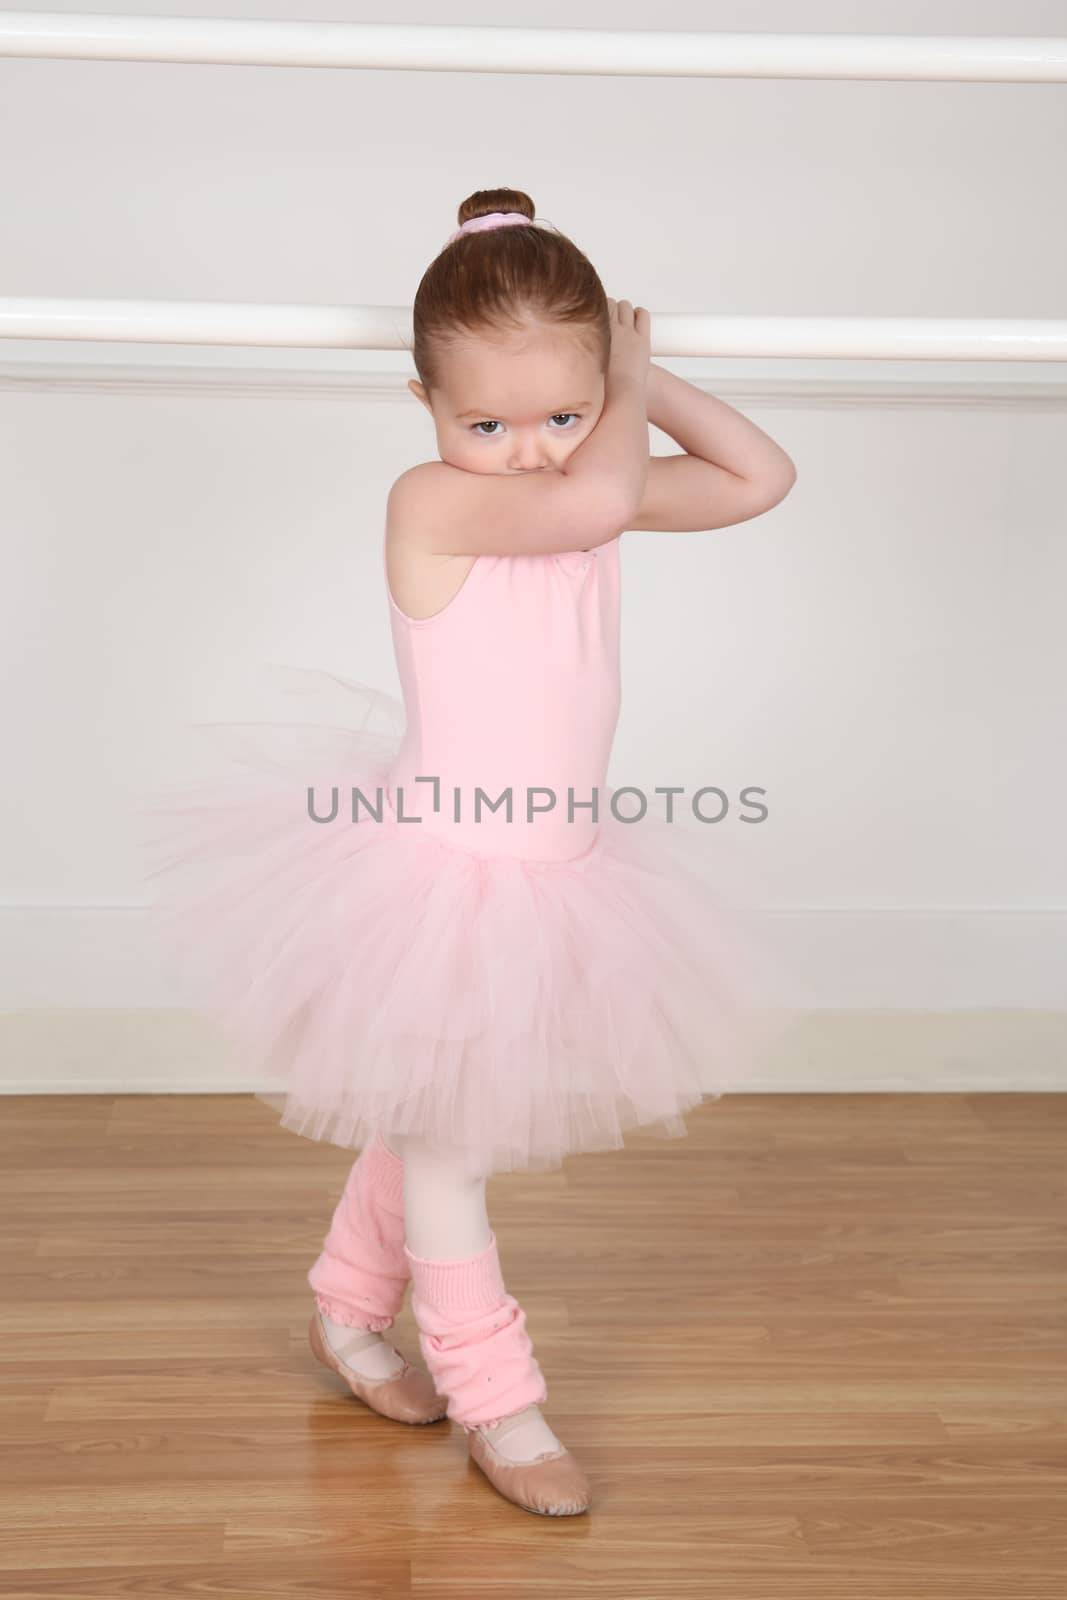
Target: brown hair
[[502, 278]]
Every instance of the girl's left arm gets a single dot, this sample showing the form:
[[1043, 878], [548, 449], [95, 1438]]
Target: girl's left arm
[[730, 469]]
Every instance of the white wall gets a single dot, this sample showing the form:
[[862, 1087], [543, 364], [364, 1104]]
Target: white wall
[[880, 652]]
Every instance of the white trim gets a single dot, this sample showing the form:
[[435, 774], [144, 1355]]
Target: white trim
[[975, 388]]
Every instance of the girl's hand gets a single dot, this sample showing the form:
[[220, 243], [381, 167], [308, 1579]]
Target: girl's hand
[[631, 341]]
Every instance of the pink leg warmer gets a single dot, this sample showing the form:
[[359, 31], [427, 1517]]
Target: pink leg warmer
[[362, 1274], [473, 1337]]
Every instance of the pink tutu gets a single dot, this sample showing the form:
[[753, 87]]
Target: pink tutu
[[372, 977]]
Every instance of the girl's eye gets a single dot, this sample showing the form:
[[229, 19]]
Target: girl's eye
[[495, 425]]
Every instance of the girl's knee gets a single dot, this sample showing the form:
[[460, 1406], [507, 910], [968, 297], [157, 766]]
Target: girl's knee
[[446, 1162]]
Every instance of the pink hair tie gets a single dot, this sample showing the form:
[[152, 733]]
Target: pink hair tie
[[491, 219]]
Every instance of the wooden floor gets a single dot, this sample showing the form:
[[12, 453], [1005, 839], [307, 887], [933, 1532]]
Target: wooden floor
[[816, 1349]]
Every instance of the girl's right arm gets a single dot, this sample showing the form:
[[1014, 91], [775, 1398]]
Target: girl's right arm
[[587, 503]]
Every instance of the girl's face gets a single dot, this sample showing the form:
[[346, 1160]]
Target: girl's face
[[515, 403]]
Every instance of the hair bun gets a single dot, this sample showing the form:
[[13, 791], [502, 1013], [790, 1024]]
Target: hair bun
[[483, 202]]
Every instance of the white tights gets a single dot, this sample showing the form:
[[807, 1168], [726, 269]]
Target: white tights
[[445, 1219], [445, 1216]]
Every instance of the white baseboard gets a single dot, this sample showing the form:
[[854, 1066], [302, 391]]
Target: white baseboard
[[170, 1050]]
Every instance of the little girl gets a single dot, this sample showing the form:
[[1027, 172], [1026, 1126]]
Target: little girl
[[459, 955]]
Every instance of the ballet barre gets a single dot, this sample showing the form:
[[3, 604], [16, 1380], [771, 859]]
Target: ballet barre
[[435, 47], [455, 48], [672, 333]]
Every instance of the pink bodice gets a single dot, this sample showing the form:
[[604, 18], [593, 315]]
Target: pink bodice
[[513, 684]]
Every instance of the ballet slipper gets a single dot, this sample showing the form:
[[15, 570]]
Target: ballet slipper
[[407, 1396], [552, 1484]]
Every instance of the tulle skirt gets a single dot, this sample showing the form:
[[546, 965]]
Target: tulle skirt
[[370, 976]]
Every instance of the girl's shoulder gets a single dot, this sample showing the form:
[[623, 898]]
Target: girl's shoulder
[[421, 580], [417, 479], [431, 491]]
